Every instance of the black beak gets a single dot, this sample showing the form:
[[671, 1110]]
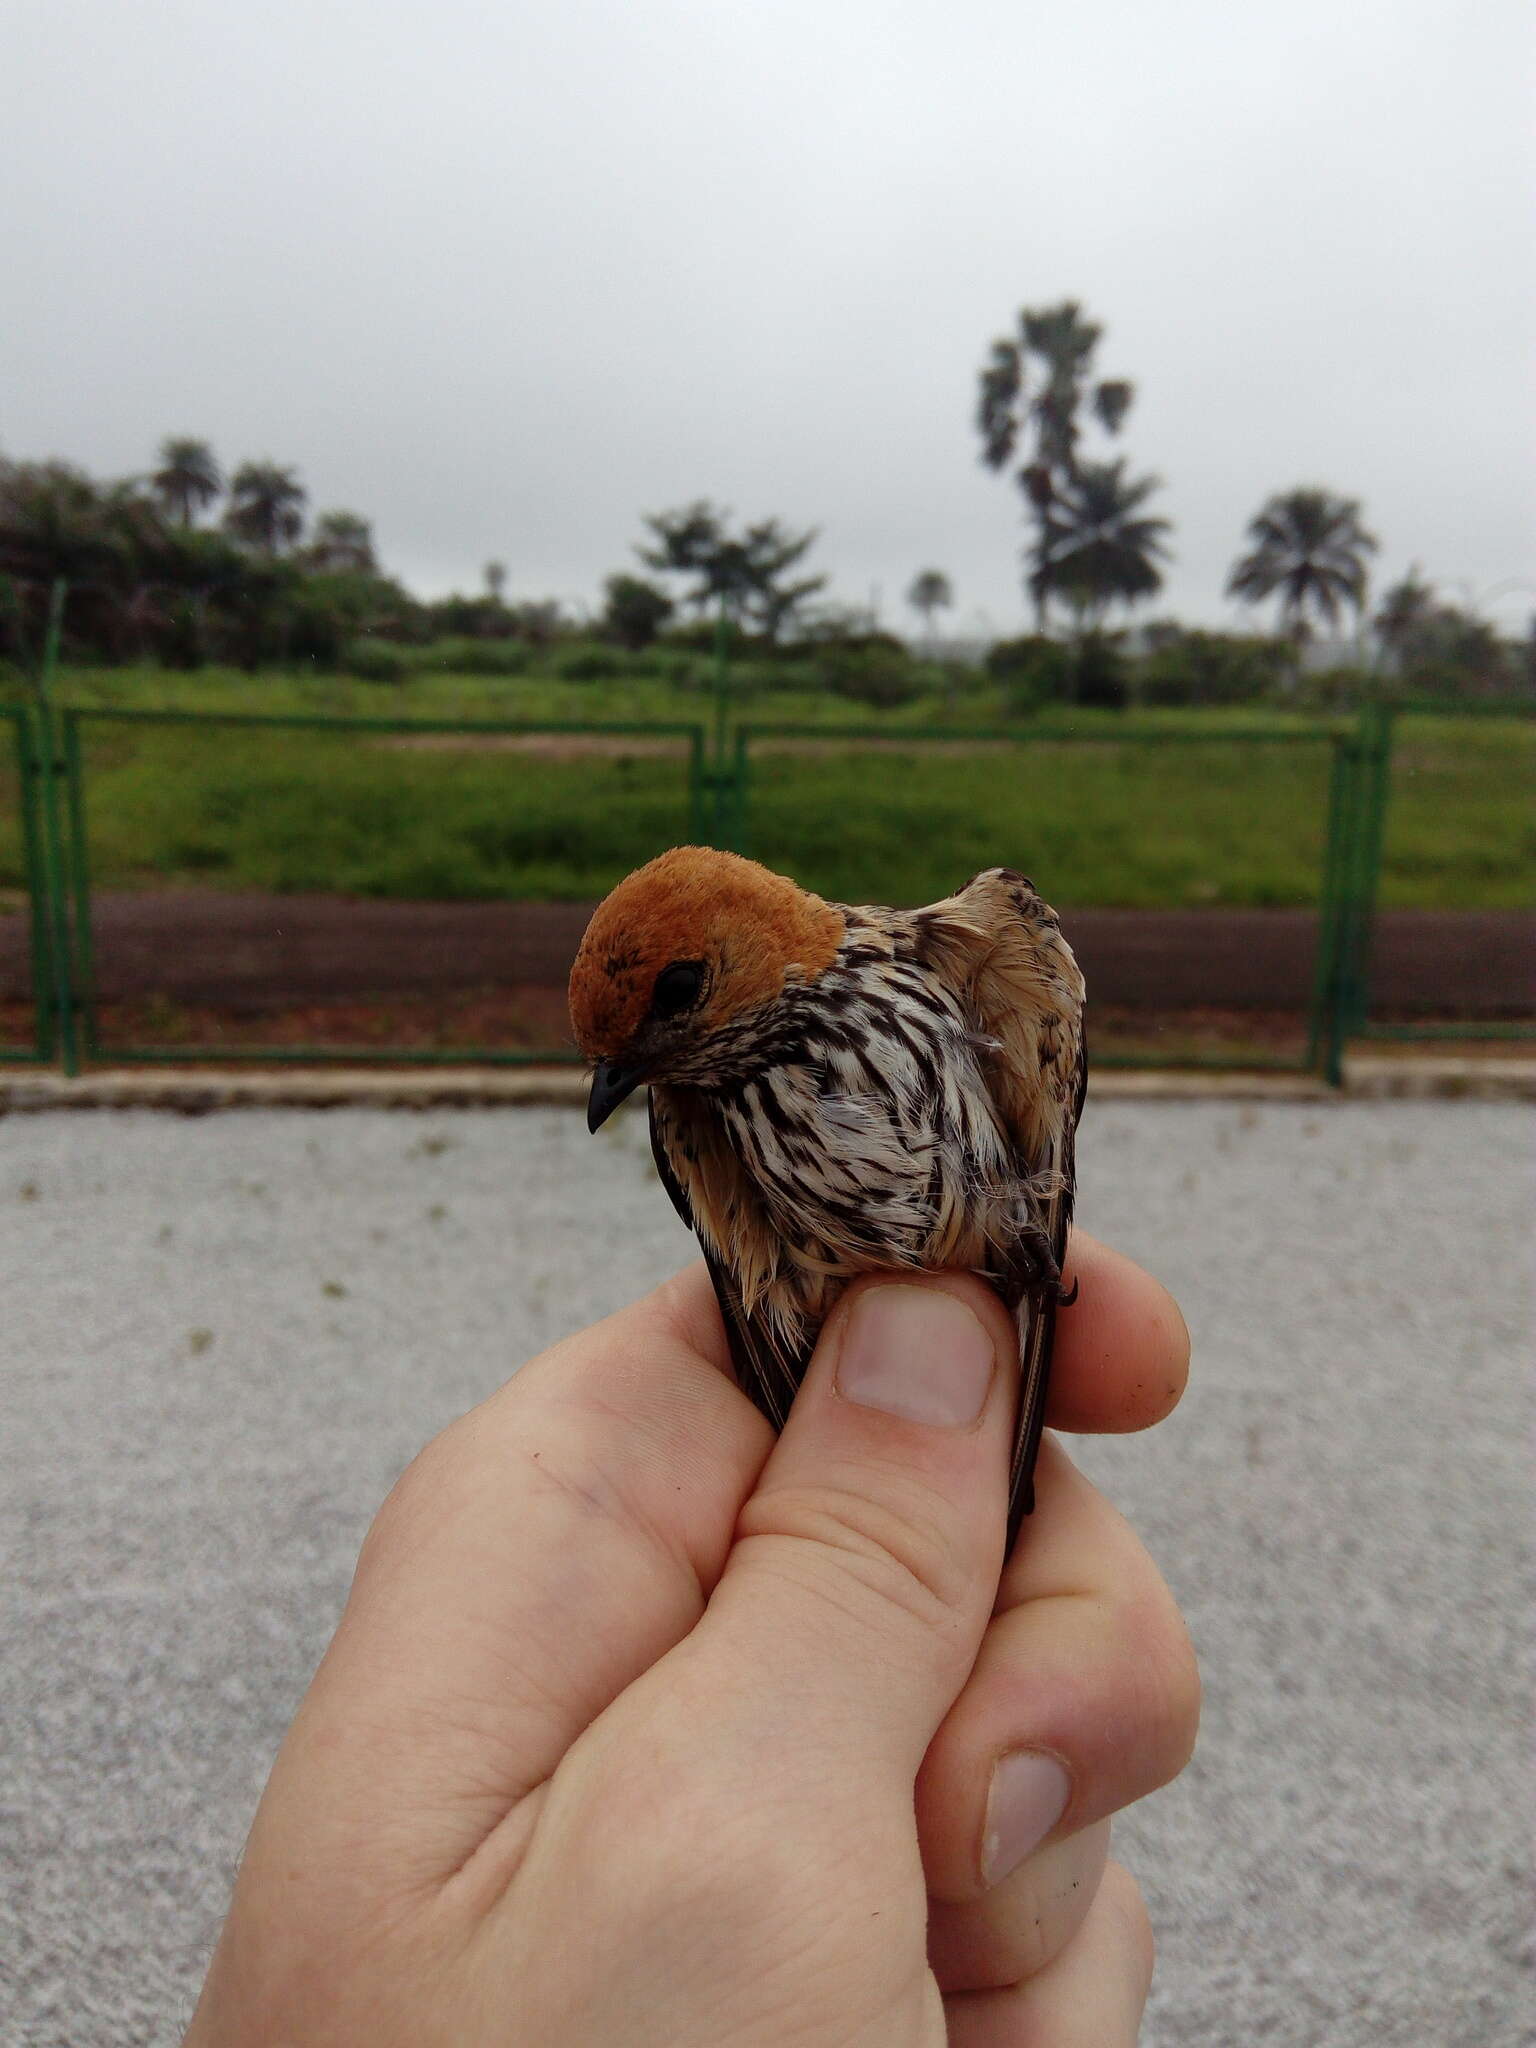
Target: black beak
[[610, 1085]]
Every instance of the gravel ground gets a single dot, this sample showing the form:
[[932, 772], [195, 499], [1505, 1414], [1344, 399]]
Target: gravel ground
[[223, 1338]]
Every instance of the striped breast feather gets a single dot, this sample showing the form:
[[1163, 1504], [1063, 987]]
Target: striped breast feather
[[770, 1339]]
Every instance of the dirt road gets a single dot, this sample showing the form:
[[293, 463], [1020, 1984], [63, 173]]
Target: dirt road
[[256, 953]]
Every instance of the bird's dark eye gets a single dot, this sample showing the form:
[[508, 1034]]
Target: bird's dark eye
[[677, 988]]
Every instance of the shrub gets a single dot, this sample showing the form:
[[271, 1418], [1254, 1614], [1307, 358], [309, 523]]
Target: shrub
[[376, 661], [837, 635], [1099, 673], [877, 678], [1212, 668], [1333, 689], [1033, 671], [799, 675], [477, 657], [670, 665], [588, 664], [635, 611], [697, 637]]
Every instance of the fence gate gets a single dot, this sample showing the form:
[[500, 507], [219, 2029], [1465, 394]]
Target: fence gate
[[245, 887], [1117, 824]]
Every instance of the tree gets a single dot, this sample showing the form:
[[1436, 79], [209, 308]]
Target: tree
[[495, 574], [1096, 547], [743, 572], [635, 611], [143, 583], [266, 507], [57, 521], [1453, 653], [1032, 396], [1311, 548], [1404, 612], [930, 592], [188, 478], [342, 542]]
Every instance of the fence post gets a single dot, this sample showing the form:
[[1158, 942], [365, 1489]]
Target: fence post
[[54, 873], [1331, 994], [83, 966], [30, 773], [1376, 721], [1325, 977], [739, 833], [722, 687], [1357, 823], [726, 768]]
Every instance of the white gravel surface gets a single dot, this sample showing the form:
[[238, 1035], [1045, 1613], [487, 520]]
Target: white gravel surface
[[222, 1338]]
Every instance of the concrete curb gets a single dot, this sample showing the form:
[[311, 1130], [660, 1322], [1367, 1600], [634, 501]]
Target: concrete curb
[[195, 1091]]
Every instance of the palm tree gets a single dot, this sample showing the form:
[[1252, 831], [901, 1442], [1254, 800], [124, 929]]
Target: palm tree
[[266, 506], [188, 478], [1032, 395], [1096, 546], [342, 541], [1310, 546], [931, 592], [742, 574]]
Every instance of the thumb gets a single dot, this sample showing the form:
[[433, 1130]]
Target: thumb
[[867, 1558]]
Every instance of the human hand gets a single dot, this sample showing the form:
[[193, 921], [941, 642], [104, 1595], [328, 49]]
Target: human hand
[[641, 1727]]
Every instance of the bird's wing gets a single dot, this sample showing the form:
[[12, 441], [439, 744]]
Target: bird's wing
[[712, 1194], [999, 943]]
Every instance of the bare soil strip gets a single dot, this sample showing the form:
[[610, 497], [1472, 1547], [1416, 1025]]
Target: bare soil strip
[[263, 953]]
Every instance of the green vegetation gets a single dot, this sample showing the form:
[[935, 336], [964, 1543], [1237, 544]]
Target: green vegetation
[[270, 611], [373, 815], [1461, 826], [1147, 826], [1096, 817]]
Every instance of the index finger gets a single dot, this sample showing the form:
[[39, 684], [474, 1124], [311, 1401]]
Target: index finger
[[1122, 1348]]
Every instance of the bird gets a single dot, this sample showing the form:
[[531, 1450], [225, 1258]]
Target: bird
[[837, 1089]]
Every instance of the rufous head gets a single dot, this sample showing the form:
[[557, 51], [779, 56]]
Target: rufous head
[[680, 964]]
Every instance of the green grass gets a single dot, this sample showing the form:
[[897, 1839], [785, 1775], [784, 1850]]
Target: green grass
[[364, 817], [1218, 823], [759, 694], [1105, 824], [1461, 821]]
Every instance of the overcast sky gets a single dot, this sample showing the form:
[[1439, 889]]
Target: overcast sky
[[504, 277]]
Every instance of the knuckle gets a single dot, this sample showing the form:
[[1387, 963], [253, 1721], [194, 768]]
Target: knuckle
[[1171, 1674], [1120, 1896], [1154, 1682], [1018, 1927], [906, 1561]]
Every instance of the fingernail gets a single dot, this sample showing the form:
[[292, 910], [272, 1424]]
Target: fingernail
[[1028, 1795], [918, 1353]]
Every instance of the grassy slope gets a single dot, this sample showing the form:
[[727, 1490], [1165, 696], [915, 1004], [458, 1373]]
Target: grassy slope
[[1118, 823]]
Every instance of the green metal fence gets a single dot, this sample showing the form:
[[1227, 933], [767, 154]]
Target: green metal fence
[[1326, 813], [95, 1034], [1377, 775], [733, 787]]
